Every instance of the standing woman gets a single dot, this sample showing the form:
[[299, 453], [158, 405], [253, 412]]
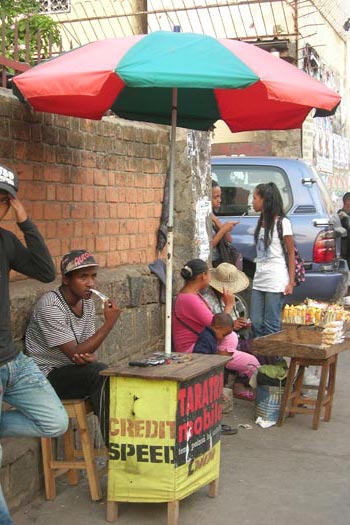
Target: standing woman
[[219, 230], [273, 279]]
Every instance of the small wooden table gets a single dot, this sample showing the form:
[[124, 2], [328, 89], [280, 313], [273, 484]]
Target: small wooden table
[[303, 345], [165, 426]]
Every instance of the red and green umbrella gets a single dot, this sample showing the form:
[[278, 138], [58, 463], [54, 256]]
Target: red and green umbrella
[[180, 79], [134, 77]]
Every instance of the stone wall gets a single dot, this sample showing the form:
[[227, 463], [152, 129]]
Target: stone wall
[[21, 473], [192, 184], [138, 331]]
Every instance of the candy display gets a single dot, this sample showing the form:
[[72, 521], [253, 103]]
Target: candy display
[[314, 313], [333, 334]]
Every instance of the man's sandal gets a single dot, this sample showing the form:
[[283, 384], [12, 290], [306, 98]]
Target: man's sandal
[[226, 430]]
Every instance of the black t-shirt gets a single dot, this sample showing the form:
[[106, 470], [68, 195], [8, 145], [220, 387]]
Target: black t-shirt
[[34, 261], [345, 241]]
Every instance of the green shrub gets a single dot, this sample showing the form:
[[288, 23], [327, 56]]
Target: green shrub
[[26, 14]]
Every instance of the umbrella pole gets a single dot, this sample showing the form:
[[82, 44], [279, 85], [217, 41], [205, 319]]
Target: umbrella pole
[[170, 227]]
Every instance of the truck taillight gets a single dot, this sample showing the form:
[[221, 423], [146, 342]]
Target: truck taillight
[[324, 247]]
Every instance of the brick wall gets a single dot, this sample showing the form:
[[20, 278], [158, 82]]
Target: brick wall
[[96, 185], [87, 184], [285, 143]]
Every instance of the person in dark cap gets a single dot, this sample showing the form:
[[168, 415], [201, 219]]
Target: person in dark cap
[[344, 216], [38, 410], [62, 339]]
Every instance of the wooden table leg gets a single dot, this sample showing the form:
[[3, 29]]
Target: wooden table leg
[[112, 511], [213, 488], [321, 393], [173, 512], [298, 383], [331, 388], [287, 390]]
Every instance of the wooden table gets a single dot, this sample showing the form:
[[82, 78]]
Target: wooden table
[[303, 345], [164, 432]]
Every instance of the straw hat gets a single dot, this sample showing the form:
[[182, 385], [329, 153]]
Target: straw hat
[[228, 276]]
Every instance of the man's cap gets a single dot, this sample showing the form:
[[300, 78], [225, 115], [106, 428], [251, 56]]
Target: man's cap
[[77, 259], [8, 181]]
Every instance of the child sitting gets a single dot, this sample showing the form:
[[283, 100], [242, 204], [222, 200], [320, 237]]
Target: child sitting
[[219, 338], [207, 342]]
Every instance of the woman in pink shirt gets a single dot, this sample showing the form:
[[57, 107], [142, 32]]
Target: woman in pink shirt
[[191, 312]]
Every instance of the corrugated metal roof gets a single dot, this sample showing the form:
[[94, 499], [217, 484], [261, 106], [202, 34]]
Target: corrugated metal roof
[[241, 19]]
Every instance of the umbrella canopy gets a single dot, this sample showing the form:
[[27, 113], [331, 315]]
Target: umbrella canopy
[[179, 78], [224, 79]]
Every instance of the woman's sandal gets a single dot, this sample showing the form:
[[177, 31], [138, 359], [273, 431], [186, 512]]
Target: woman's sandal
[[228, 431]]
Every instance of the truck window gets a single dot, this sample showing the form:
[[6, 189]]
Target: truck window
[[325, 194], [238, 183]]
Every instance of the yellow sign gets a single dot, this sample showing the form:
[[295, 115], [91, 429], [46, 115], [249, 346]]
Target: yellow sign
[[164, 437]]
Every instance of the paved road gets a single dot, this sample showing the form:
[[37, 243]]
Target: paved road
[[286, 476]]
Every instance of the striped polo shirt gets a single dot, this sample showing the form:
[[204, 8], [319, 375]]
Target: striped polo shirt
[[52, 324]]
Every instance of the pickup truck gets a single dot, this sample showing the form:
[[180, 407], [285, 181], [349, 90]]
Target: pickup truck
[[316, 225]]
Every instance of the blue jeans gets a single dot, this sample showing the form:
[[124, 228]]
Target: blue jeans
[[39, 411], [265, 312]]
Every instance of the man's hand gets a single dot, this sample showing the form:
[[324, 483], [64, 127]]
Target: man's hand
[[83, 359], [17, 206], [289, 289], [111, 312]]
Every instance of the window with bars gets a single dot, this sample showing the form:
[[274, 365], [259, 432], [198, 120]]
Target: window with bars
[[55, 6]]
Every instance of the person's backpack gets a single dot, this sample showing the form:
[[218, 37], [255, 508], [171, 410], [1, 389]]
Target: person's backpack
[[299, 274]]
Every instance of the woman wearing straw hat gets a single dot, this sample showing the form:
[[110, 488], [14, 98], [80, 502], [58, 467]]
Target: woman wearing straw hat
[[192, 313], [227, 277]]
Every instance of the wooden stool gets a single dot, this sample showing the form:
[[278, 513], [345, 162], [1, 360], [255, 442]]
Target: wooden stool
[[79, 409], [325, 390]]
